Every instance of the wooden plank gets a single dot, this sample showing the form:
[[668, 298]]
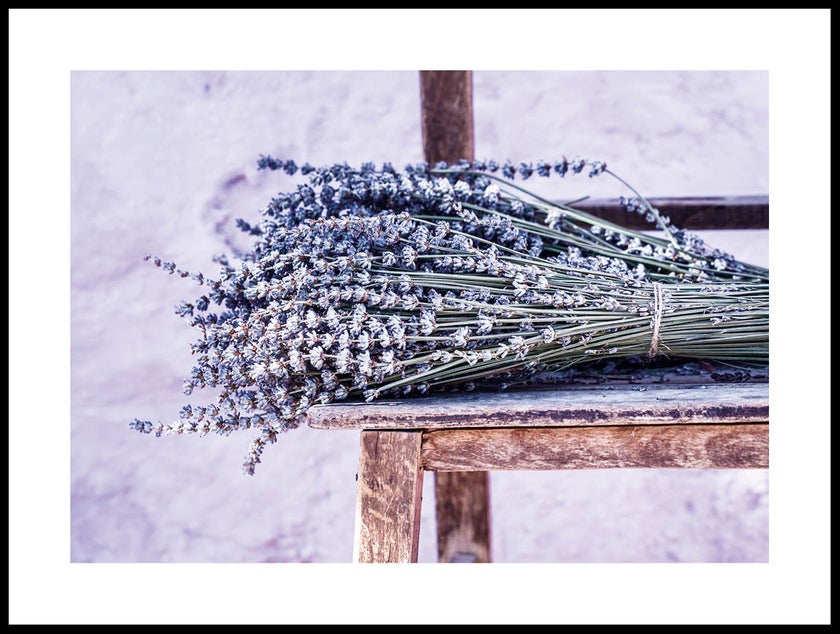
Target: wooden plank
[[462, 505], [719, 212], [388, 500], [626, 405], [446, 115], [648, 446], [462, 509]]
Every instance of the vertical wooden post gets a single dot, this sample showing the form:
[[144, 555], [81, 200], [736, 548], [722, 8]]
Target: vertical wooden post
[[447, 115], [388, 498], [462, 499], [462, 512]]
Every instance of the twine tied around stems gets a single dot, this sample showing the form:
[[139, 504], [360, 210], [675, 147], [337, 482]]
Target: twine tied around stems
[[658, 303]]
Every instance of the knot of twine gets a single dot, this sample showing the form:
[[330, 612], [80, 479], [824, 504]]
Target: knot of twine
[[658, 305]]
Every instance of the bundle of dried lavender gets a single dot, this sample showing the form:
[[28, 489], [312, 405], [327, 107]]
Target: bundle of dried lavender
[[376, 282]]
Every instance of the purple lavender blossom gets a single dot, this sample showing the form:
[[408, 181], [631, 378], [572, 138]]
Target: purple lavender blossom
[[370, 282]]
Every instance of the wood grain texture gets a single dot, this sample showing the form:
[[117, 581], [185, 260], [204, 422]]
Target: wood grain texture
[[446, 115], [648, 446], [388, 498], [656, 404], [722, 212], [462, 512]]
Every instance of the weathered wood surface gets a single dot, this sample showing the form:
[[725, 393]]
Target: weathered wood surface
[[462, 510], [723, 212], [446, 115], [626, 405], [549, 448], [388, 498]]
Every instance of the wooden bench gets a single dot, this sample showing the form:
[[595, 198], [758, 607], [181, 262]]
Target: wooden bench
[[683, 424], [697, 426]]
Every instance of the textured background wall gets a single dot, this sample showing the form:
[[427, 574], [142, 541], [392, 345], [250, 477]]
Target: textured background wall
[[164, 162]]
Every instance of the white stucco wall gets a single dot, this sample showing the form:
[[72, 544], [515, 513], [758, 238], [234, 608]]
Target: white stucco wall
[[164, 162]]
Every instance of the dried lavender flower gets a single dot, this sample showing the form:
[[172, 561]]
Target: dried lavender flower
[[373, 282]]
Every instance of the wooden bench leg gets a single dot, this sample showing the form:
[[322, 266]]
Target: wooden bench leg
[[462, 510], [461, 499], [389, 495]]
